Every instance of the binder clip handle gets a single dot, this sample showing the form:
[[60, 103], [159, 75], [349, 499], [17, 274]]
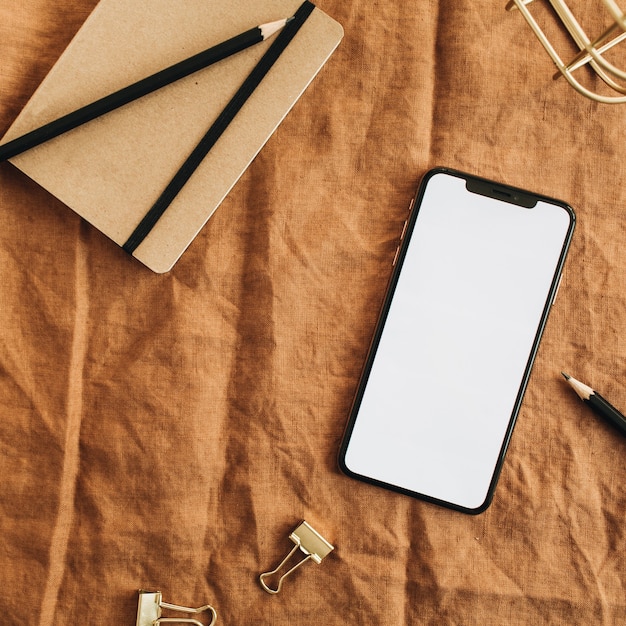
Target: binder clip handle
[[150, 606], [310, 543], [262, 577]]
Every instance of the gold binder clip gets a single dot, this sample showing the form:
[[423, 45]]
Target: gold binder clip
[[310, 542], [151, 603]]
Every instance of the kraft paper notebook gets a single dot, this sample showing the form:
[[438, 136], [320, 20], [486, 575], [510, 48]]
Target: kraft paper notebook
[[112, 169]]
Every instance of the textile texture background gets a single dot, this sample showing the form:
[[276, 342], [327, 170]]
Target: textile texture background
[[169, 431]]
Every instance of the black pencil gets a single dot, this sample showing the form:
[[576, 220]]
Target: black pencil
[[140, 88], [597, 403]]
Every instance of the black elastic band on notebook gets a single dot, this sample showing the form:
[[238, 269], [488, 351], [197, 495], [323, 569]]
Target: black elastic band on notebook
[[219, 126]]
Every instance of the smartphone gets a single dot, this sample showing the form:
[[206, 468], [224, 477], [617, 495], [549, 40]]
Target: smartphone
[[475, 275]]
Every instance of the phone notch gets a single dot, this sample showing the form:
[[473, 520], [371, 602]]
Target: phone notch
[[501, 192]]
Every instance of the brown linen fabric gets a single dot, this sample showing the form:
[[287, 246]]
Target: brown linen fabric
[[169, 431]]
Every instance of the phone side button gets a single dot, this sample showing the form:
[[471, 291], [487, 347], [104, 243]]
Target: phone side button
[[556, 291], [406, 223], [395, 258]]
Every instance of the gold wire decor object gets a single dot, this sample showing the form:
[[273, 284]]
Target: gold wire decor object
[[310, 542], [592, 51], [150, 608]]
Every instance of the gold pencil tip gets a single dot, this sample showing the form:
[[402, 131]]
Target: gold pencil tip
[[566, 376]]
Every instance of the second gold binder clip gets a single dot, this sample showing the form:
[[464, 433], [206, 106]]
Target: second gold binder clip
[[150, 606], [308, 541]]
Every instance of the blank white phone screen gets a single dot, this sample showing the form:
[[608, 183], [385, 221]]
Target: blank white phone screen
[[457, 340]]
